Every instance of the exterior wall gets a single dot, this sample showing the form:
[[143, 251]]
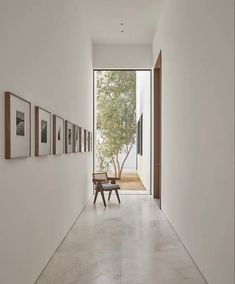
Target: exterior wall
[[130, 163], [143, 105], [107, 56], [197, 43], [45, 57]]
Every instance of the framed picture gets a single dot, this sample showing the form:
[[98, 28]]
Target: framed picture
[[42, 132], [69, 137], [82, 140], [89, 141], [58, 135], [17, 127], [86, 140], [77, 139], [140, 136]]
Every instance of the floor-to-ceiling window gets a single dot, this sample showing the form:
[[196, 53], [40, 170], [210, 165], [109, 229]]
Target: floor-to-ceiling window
[[122, 127]]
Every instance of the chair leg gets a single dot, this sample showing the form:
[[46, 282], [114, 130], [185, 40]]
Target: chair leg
[[110, 194], [117, 195], [102, 194], [96, 193]]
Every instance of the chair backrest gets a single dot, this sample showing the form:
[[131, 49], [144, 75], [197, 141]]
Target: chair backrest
[[103, 176]]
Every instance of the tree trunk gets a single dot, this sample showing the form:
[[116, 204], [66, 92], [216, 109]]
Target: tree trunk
[[127, 154], [114, 166], [118, 166]]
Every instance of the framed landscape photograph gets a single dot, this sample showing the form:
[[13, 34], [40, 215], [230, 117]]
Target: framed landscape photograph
[[58, 135], [69, 137], [77, 139], [42, 132], [17, 127]]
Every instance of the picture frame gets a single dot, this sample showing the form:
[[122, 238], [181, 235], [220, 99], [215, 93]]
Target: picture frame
[[69, 137], [89, 141], [42, 132], [86, 140], [77, 139], [17, 127], [82, 139], [58, 135], [140, 136]]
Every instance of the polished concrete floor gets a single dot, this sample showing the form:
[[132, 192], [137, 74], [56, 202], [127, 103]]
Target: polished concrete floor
[[130, 243]]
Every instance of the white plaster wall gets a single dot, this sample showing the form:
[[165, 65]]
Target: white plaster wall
[[106, 56], [45, 57], [197, 43], [143, 105], [130, 163]]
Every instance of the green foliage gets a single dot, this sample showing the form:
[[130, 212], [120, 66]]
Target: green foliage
[[116, 113], [102, 161]]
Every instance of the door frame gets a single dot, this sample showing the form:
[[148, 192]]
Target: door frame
[[157, 128]]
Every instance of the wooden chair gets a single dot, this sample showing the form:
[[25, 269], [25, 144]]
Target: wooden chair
[[104, 183]]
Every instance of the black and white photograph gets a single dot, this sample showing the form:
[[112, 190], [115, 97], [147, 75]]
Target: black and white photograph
[[17, 127], [42, 132], [69, 137], [77, 139], [19, 123], [58, 135]]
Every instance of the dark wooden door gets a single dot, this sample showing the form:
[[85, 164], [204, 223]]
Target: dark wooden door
[[157, 127]]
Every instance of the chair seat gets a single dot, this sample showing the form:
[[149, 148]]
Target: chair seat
[[109, 186]]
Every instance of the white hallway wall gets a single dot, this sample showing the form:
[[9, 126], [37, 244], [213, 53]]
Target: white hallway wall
[[197, 43], [45, 57], [108, 56], [143, 106]]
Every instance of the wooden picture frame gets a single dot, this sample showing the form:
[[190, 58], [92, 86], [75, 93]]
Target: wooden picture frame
[[69, 137], [17, 127], [58, 135], [42, 132]]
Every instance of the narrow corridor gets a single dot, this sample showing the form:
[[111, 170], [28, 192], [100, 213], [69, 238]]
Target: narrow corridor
[[131, 243]]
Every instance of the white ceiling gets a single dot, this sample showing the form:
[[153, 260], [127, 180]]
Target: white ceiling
[[140, 19]]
